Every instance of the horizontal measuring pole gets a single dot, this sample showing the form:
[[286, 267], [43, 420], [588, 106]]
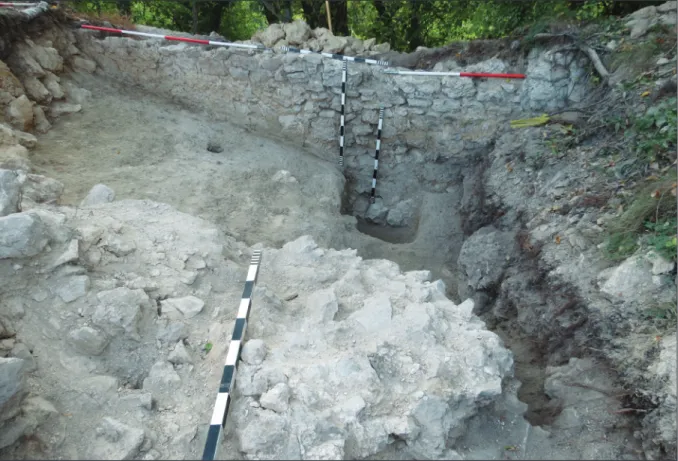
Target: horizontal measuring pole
[[223, 401], [173, 38], [3, 4], [339, 57], [452, 74]]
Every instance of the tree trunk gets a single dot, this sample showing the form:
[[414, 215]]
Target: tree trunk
[[288, 10], [214, 14], [314, 13], [194, 29], [271, 11], [339, 12], [414, 38]]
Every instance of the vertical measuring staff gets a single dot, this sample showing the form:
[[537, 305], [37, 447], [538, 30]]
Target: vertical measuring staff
[[344, 71], [227, 385], [376, 155]]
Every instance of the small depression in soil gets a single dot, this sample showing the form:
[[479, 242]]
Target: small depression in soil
[[386, 233]]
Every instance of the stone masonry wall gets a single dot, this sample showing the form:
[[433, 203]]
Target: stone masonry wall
[[432, 128]]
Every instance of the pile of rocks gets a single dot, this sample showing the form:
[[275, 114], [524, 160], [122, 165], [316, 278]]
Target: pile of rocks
[[31, 91], [300, 35]]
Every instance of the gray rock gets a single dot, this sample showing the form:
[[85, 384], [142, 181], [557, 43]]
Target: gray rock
[[180, 355], [25, 139], [401, 215], [267, 437], [271, 35], [322, 306], [88, 341], [83, 65], [253, 352], [41, 123], [22, 235], [116, 440], [120, 310], [37, 91], [10, 192], [484, 257], [162, 382], [21, 351], [51, 82], [138, 399], [667, 7], [76, 94], [70, 254], [332, 44], [173, 332], [188, 306], [97, 195], [20, 113], [276, 399], [11, 380], [632, 281], [297, 32], [639, 27], [59, 109], [14, 158], [660, 265], [40, 189], [382, 48], [34, 412], [48, 58], [375, 315], [376, 212], [72, 288]]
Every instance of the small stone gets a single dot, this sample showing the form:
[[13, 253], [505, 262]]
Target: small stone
[[189, 306], [73, 288], [253, 352], [83, 65], [120, 441], [51, 82], [58, 109], [162, 382], [98, 194], [180, 355], [37, 91], [10, 192], [69, 255], [22, 235], [662, 61], [276, 399], [20, 113], [660, 265], [89, 341]]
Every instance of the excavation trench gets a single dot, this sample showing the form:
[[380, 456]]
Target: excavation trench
[[271, 179], [146, 148]]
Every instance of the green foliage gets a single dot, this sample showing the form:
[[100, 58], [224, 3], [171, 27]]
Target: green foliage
[[663, 237], [208, 347], [648, 222], [655, 132], [242, 20], [592, 9], [405, 24], [665, 311]]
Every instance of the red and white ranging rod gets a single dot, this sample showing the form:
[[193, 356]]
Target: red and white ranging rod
[[173, 38], [452, 74]]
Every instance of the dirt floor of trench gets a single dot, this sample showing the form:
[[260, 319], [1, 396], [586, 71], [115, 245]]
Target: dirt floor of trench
[[144, 147]]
